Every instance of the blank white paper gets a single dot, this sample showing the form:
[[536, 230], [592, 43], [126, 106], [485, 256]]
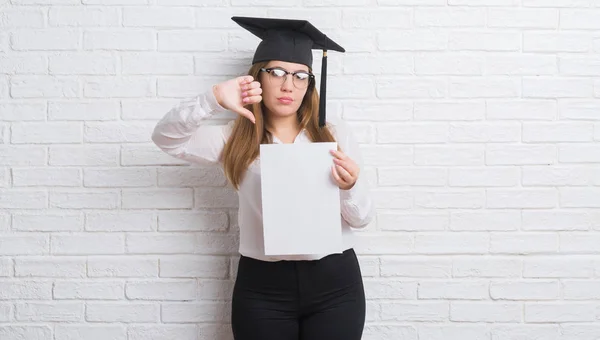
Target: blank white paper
[[300, 199]]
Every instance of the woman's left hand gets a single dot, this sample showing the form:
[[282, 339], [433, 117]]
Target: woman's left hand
[[345, 171]]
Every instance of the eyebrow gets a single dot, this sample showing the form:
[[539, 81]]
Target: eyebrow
[[283, 68]]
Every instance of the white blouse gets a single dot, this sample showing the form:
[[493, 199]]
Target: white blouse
[[182, 134]]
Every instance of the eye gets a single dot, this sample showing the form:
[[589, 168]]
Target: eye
[[278, 72], [302, 75]]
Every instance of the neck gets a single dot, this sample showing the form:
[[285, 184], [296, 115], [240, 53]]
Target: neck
[[283, 124]]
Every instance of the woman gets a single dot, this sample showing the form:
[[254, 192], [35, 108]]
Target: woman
[[278, 297]]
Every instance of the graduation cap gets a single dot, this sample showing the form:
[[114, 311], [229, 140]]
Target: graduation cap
[[291, 41]]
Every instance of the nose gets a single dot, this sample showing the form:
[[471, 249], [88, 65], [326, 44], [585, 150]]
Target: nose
[[287, 83]]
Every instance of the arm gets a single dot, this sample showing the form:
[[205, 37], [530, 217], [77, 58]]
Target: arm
[[356, 204], [181, 134]]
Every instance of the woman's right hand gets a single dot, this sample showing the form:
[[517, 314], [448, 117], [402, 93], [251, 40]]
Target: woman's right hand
[[235, 93]]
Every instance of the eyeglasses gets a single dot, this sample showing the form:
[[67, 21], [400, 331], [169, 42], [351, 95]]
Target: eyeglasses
[[277, 76]]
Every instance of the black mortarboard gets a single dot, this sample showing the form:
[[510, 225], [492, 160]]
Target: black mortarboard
[[292, 41]]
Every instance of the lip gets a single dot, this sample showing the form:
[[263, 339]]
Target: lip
[[285, 100]]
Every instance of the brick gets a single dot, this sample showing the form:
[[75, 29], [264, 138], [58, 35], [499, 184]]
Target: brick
[[23, 111], [442, 332], [448, 155], [484, 132], [4, 87], [484, 177], [580, 197], [125, 267], [157, 64], [563, 41], [119, 312], [6, 312], [216, 198], [449, 17], [23, 64], [44, 87], [525, 290], [412, 2], [413, 40], [449, 110], [88, 244], [514, 154], [553, 267], [83, 111], [487, 3], [485, 312], [484, 41], [166, 17], [119, 40], [478, 266], [165, 243], [146, 109], [526, 332], [579, 153], [161, 331], [219, 290], [376, 111], [412, 133], [578, 243], [560, 312], [414, 311], [193, 221], [390, 289], [579, 18], [56, 177], [455, 290], [89, 290], [521, 198], [192, 41], [146, 155], [578, 66], [130, 177], [412, 176], [46, 2], [23, 199], [188, 266], [24, 244], [451, 243], [83, 16], [88, 155], [522, 110], [414, 88], [524, 64], [147, 198], [50, 267], [579, 331], [184, 87], [530, 243], [544, 87], [17, 155], [120, 221], [484, 87], [84, 199], [25, 289], [21, 18], [172, 290], [47, 221], [556, 3], [121, 87], [30, 332], [29, 133], [386, 65], [196, 312], [393, 199], [377, 331], [90, 332], [431, 63], [55, 39], [558, 176], [558, 132], [375, 244], [523, 18], [109, 132], [485, 221], [83, 64], [581, 290], [191, 177], [355, 40], [54, 312], [417, 267], [560, 220], [579, 109], [377, 18], [115, 2]]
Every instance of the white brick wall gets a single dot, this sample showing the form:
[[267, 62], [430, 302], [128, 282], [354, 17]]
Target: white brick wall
[[479, 122]]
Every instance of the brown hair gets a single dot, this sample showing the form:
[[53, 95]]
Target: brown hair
[[243, 145]]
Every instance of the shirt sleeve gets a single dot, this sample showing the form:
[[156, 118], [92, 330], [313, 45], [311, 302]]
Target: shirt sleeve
[[182, 134], [356, 204]]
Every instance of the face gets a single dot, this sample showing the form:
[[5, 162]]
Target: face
[[283, 93]]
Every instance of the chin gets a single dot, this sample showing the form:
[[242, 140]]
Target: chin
[[283, 110]]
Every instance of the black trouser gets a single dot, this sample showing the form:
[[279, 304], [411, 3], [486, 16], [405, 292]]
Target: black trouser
[[299, 300]]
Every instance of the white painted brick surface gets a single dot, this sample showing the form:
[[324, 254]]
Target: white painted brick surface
[[479, 124]]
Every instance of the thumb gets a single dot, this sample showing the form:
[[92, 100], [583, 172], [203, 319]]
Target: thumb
[[246, 113]]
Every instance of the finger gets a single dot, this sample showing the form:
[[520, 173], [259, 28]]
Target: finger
[[252, 100], [247, 113], [339, 154], [346, 164], [253, 92], [245, 80], [336, 176], [250, 86], [345, 175]]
